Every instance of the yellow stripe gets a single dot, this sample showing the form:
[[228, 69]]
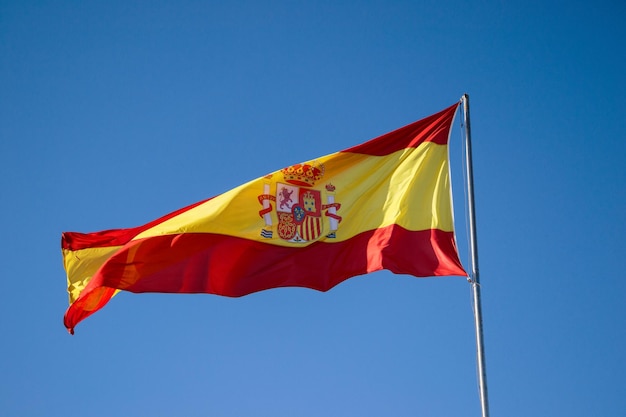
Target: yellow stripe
[[410, 187], [81, 265]]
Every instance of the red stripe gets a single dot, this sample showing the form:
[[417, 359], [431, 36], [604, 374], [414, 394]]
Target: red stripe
[[231, 266], [114, 237], [310, 229], [435, 128]]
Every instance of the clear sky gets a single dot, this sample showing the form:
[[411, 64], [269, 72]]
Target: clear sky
[[115, 113]]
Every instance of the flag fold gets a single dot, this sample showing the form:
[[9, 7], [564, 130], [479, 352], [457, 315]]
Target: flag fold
[[384, 204]]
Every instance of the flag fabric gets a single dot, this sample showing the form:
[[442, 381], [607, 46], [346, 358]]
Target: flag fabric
[[384, 204]]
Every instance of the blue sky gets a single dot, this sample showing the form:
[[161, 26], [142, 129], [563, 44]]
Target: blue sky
[[115, 113]]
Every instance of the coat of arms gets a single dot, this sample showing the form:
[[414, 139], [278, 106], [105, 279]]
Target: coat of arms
[[300, 209]]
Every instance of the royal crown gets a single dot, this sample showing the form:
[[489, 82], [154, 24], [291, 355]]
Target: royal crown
[[303, 174]]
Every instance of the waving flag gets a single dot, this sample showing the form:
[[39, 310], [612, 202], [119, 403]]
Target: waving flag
[[384, 204]]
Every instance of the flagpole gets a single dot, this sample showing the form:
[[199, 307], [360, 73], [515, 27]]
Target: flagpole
[[474, 276]]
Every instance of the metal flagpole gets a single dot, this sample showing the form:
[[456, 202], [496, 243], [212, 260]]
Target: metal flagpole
[[474, 276]]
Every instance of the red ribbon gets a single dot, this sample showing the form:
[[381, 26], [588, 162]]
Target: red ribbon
[[262, 198]]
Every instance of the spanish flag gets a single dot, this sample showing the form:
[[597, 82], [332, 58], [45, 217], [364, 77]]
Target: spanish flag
[[384, 204]]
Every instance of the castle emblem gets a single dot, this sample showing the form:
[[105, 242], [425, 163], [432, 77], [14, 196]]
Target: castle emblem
[[300, 211]]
